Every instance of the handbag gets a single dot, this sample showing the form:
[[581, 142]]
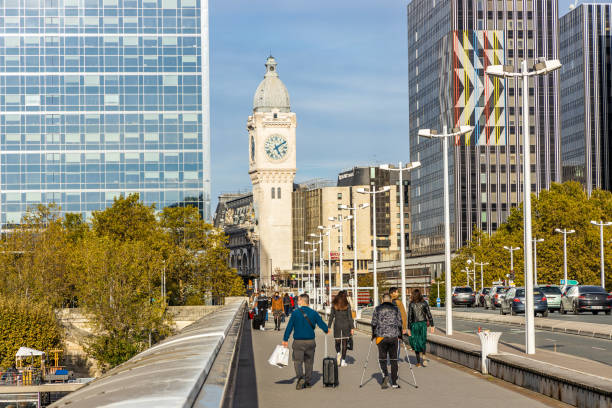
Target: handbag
[[279, 357], [349, 343]]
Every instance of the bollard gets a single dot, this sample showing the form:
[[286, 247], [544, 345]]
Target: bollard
[[488, 342]]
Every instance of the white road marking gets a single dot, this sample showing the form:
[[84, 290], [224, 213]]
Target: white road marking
[[598, 348]]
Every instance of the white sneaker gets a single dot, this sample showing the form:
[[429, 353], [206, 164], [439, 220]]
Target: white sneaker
[[343, 364], [338, 358], [262, 328]]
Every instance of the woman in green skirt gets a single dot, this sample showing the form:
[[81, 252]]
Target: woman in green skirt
[[419, 318]]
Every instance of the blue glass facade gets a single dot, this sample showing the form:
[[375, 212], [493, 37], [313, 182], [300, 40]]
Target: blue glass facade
[[100, 98]]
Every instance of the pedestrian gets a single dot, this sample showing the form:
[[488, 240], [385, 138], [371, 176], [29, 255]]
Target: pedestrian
[[387, 332], [419, 318], [302, 323], [277, 310], [262, 308], [287, 304], [292, 302], [342, 319], [395, 299]]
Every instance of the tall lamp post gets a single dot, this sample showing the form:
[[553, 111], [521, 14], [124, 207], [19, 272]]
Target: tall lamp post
[[481, 275], [535, 259], [400, 169], [329, 268], [313, 252], [373, 193], [320, 244], [511, 249], [340, 225], [430, 133], [542, 67], [565, 232], [354, 210], [602, 224]]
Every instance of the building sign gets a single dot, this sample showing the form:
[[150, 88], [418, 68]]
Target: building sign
[[335, 256]]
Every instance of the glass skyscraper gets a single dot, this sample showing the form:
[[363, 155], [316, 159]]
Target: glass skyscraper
[[101, 98], [586, 95], [450, 44]]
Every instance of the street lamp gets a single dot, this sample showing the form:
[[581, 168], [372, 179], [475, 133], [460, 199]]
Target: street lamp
[[400, 169], [512, 249], [535, 259], [354, 209], [320, 243], [602, 224], [309, 251], [564, 231], [340, 227], [542, 67], [429, 133], [329, 269], [481, 276], [373, 193], [469, 262]]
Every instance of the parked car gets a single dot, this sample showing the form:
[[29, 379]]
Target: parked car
[[553, 296], [463, 295], [586, 298], [514, 302], [495, 296], [480, 296]]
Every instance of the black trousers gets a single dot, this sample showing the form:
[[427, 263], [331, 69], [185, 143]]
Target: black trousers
[[303, 354], [341, 347], [262, 314], [388, 348]]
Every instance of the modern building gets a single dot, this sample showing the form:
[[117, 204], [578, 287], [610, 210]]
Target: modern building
[[272, 167], [586, 95], [103, 98], [450, 45]]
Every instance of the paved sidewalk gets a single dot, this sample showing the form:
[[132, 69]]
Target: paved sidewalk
[[440, 385]]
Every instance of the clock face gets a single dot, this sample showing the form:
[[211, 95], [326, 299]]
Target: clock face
[[252, 148], [276, 147]]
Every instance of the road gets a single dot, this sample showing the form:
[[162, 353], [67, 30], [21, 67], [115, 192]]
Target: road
[[440, 384], [585, 347], [584, 317]]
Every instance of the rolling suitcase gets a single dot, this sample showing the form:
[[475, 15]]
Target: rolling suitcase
[[330, 369], [257, 322]]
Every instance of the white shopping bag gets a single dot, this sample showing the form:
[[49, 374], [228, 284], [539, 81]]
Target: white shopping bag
[[279, 357]]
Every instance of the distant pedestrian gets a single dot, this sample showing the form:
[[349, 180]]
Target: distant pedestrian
[[419, 318], [292, 301], [287, 304], [262, 305], [302, 323], [395, 299], [387, 332], [277, 310], [342, 319]]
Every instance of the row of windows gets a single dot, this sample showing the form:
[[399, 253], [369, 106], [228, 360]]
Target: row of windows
[[106, 103], [96, 4], [110, 157], [91, 122], [76, 64], [131, 179]]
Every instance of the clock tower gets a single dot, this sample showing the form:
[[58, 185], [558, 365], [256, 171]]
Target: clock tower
[[272, 169]]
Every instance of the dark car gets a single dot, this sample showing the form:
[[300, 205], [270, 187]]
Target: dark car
[[514, 302], [463, 295], [585, 298], [480, 296], [495, 296]]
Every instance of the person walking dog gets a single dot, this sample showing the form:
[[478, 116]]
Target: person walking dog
[[387, 332], [342, 319], [302, 323], [419, 318]]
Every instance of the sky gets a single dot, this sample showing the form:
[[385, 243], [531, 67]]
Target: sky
[[345, 65]]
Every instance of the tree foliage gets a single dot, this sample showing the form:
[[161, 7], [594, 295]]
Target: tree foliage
[[563, 206], [113, 268]]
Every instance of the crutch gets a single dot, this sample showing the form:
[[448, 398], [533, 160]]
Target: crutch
[[366, 364], [409, 363]]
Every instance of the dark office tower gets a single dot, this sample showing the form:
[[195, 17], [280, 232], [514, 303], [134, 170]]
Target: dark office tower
[[102, 98], [450, 45], [586, 95]]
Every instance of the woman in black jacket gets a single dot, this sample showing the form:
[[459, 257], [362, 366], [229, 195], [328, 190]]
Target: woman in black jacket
[[419, 318], [344, 326]]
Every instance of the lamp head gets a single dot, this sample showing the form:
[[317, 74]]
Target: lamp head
[[414, 165], [384, 167], [343, 207], [545, 66], [362, 191], [331, 219], [385, 189], [428, 133], [364, 205]]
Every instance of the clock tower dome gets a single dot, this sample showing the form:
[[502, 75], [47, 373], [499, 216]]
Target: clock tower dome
[[272, 157]]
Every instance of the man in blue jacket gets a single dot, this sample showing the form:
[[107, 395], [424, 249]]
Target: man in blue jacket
[[302, 323]]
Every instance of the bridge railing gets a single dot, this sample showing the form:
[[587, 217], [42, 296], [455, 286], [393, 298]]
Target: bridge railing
[[174, 373]]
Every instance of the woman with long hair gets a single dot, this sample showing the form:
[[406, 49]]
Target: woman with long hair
[[342, 318], [419, 318]]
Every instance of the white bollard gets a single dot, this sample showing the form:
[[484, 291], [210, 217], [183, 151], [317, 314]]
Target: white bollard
[[488, 342]]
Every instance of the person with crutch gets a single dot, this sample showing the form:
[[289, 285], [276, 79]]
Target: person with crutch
[[419, 318], [387, 332]]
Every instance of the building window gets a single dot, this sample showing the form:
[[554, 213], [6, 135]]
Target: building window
[[339, 196], [278, 193], [273, 191]]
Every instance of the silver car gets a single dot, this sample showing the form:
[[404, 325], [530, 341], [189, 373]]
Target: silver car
[[553, 296]]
